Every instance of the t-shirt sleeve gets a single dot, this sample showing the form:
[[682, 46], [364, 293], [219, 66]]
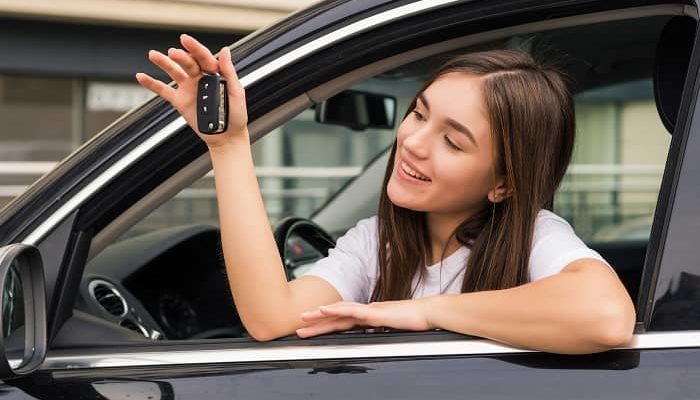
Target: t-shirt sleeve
[[349, 265], [555, 245]]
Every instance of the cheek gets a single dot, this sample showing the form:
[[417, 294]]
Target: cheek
[[464, 180], [403, 129]]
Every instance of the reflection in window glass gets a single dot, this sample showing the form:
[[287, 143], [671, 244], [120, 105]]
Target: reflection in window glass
[[300, 165], [303, 163], [610, 190]]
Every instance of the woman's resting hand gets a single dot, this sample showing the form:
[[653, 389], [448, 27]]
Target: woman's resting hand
[[341, 316]]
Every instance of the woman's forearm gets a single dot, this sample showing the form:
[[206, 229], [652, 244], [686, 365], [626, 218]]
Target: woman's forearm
[[583, 309], [255, 272], [268, 306]]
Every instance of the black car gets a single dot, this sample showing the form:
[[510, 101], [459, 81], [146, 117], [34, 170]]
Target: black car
[[107, 295]]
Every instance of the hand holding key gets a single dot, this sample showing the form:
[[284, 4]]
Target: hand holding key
[[186, 67]]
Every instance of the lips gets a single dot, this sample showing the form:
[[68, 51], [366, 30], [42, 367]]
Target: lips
[[410, 170]]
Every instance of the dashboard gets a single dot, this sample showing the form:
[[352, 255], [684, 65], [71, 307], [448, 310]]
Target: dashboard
[[171, 284], [168, 284]]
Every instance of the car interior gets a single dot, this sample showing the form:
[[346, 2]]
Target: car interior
[[170, 283]]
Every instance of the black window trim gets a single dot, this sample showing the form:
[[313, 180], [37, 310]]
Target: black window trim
[[667, 192]]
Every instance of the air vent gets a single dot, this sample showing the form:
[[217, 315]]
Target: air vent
[[108, 297], [134, 326]]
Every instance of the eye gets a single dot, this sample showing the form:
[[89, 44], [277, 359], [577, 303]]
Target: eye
[[418, 115], [451, 143]]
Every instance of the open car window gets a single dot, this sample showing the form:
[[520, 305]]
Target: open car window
[[611, 187], [300, 165], [304, 167]]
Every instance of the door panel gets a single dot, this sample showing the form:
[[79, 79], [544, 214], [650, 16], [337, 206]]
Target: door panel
[[624, 374]]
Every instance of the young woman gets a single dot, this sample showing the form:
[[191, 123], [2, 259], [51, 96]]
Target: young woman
[[461, 241]]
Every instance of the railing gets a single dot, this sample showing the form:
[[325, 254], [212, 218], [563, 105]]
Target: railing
[[37, 169], [592, 197]]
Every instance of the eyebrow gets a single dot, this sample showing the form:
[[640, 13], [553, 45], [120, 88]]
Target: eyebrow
[[451, 122]]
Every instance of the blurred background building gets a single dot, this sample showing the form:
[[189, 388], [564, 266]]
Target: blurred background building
[[67, 67], [67, 71]]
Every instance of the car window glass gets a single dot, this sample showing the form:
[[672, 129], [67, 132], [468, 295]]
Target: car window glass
[[608, 195], [610, 190], [300, 165]]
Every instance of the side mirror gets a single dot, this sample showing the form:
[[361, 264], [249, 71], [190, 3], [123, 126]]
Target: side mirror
[[23, 311], [358, 110]]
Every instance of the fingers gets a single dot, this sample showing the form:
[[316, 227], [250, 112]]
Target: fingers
[[325, 311], [186, 62], [352, 310], [229, 73], [168, 66], [226, 66], [156, 86], [359, 313], [334, 325], [200, 53], [310, 316]]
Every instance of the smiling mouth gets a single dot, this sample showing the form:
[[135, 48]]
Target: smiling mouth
[[411, 172]]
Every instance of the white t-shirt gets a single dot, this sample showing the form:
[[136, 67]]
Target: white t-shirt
[[352, 266]]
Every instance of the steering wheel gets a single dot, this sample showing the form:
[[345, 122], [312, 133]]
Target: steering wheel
[[305, 229]]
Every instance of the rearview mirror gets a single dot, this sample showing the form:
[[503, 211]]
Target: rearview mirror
[[23, 311], [358, 110]]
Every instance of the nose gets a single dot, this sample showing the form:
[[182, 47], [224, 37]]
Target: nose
[[418, 142]]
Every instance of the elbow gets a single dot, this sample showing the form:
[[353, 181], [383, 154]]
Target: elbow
[[263, 334], [616, 325]]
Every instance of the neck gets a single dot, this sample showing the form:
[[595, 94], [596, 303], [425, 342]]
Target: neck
[[441, 227]]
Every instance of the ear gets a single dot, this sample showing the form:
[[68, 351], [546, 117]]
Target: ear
[[500, 192]]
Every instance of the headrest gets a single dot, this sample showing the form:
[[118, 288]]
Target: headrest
[[670, 67]]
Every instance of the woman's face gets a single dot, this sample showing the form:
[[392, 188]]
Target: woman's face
[[444, 157]]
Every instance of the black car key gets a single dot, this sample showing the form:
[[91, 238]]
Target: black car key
[[212, 104]]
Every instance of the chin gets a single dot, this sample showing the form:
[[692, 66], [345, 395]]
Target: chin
[[403, 200]]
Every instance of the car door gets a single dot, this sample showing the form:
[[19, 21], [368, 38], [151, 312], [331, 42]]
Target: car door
[[660, 363]]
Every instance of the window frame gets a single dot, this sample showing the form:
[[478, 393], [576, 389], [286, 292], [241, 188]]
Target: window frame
[[673, 218], [191, 351]]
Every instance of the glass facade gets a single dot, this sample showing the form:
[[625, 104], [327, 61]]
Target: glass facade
[[611, 187], [45, 118], [61, 83]]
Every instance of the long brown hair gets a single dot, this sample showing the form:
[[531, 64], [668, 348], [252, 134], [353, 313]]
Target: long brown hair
[[531, 114]]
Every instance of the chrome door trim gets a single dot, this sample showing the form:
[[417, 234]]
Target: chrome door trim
[[263, 352], [346, 31], [315, 45], [104, 178]]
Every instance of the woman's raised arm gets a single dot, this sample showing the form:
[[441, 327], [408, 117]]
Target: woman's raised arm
[[268, 305]]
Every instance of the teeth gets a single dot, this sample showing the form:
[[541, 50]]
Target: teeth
[[413, 173]]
